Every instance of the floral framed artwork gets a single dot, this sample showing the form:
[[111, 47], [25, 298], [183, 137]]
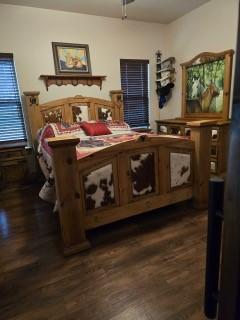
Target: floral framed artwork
[[206, 85], [70, 58]]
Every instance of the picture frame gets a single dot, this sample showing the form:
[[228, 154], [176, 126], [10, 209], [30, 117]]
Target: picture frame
[[206, 85], [71, 59]]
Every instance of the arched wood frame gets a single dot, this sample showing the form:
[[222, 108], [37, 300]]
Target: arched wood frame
[[204, 58], [64, 108]]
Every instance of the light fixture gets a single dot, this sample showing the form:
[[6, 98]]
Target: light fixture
[[124, 8]]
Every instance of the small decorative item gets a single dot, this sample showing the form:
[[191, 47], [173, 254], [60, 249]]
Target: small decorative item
[[206, 85], [70, 58]]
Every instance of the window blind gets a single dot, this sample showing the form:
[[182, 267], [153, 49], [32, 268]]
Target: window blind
[[12, 127], [134, 82]]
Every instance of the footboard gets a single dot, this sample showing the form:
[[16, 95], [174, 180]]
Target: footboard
[[135, 177], [126, 179]]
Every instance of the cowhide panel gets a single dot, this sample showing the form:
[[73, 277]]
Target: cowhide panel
[[80, 113], [143, 174], [52, 116], [180, 168], [99, 188], [105, 114]]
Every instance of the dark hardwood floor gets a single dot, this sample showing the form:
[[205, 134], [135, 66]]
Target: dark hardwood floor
[[149, 267]]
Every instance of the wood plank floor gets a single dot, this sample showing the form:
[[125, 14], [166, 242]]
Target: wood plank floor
[[149, 267]]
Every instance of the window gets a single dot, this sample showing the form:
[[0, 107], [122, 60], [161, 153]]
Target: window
[[134, 81], [11, 117]]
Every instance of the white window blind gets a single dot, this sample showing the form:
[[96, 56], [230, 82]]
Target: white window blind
[[12, 127], [134, 82]]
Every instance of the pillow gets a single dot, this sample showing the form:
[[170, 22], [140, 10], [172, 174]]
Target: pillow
[[116, 125], [95, 128], [65, 128], [52, 130]]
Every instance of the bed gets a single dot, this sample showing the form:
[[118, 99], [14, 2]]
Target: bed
[[120, 175]]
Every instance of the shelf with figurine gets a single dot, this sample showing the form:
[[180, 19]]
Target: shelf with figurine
[[165, 78]]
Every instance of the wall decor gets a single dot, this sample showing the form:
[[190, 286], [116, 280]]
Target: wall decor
[[70, 58], [206, 81]]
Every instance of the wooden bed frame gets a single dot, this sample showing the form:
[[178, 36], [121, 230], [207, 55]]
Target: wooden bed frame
[[69, 172]]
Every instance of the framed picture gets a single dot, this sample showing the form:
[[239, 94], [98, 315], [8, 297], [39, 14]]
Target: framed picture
[[70, 58], [206, 85]]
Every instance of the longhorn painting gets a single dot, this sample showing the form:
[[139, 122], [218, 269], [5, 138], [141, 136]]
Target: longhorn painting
[[205, 86]]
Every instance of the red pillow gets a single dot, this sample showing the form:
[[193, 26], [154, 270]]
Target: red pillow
[[95, 128]]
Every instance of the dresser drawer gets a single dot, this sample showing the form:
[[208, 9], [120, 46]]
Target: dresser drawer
[[13, 167], [12, 154]]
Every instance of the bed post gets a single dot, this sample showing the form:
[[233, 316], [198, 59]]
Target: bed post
[[34, 115], [201, 135], [117, 99], [68, 194]]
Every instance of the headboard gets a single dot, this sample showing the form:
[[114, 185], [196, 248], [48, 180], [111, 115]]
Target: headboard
[[73, 109]]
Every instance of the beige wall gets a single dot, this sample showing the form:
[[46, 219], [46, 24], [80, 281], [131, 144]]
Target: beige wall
[[28, 33], [212, 27]]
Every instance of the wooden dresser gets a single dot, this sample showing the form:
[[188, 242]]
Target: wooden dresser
[[206, 87], [13, 167], [219, 143]]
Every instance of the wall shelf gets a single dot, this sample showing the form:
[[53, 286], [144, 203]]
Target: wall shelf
[[60, 80]]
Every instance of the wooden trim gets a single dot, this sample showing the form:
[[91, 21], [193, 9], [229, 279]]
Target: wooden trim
[[63, 141], [34, 116], [201, 123], [60, 80], [213, 55]]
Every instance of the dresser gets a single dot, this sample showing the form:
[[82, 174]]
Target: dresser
[[13, 166], [219, 139]]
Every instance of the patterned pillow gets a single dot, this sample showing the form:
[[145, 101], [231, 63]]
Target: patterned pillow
[[116, 125], [65, 128], [52, 130]]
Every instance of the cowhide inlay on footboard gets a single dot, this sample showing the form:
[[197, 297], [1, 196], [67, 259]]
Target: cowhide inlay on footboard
[[99, 188], [143, 174], [180, 168]]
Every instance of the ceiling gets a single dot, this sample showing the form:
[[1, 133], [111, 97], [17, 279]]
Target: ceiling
[[161, 11]]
